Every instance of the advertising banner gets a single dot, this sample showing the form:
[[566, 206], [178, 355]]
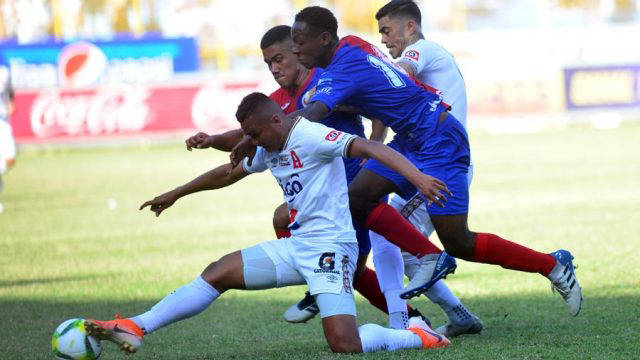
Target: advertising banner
[[82, 63], [613, 87], [67, 115]]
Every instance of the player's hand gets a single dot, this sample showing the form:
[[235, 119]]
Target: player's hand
[[244, 148], [160, 203], [199, 141], [434, 190]]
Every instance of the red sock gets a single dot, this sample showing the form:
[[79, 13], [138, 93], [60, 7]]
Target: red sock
[[282, 233], [492, 249], [387, 221], [368, 286]]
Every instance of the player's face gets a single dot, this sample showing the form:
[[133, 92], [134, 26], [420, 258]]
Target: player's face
[[282, 63], [394, 35], [263, 131], [310, 48]]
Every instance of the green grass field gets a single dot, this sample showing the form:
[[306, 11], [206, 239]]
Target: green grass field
[[64, 253]]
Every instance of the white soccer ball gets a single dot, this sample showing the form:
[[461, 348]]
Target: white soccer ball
[[70, 341]]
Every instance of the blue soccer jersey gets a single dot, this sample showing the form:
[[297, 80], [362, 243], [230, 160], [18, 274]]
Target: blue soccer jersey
[[361, 75]]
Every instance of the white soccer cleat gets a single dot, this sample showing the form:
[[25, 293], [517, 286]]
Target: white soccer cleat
[[432, 268], [564, 281], [430, 339], [305, 310]]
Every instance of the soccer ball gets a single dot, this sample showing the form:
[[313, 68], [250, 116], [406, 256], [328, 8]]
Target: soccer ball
[[70, 341]]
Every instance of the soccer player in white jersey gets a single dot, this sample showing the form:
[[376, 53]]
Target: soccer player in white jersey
[[305, 158], [399, 25], [7, 143]]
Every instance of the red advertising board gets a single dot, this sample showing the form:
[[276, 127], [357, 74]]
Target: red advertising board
[[125, 110]]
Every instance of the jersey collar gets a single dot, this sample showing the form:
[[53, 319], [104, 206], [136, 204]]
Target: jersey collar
[[295, 122]]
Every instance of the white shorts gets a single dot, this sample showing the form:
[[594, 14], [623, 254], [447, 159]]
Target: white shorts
[[7, 144], [327, 269]]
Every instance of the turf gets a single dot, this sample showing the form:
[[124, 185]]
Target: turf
[[65, 252]]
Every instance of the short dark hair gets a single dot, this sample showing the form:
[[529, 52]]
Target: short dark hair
[[319, 19], [404, 8], [251, 104], [275, 35]]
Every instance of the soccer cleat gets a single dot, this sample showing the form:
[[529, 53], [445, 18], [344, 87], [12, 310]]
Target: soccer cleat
[[450, 330], [564, 281], [305, 310], [430, 339], [432, 268], [123, 332]]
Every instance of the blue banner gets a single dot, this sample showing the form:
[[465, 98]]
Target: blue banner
[[85, 63], [593, 87]]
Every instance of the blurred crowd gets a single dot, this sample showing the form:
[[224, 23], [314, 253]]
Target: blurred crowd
[[227, 30]]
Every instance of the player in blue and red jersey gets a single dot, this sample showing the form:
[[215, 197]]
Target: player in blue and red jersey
[[358, 74]]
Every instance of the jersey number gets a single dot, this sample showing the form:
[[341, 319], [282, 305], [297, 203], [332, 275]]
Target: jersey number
[[394, 79]]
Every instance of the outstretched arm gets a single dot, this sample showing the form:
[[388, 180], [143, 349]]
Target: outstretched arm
[[213, 179], [223, 142], [427, 185], [316, 111]]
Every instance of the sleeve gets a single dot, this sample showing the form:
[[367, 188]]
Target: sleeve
[[331, 143], [334, 87], [258, 164], [416, 57]]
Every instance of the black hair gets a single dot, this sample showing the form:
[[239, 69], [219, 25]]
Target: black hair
[[319, 20], [404, 8], [251, 104], [275, 35]]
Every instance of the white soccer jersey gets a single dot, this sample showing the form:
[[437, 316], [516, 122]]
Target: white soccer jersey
[[311, 173], [436, 67]]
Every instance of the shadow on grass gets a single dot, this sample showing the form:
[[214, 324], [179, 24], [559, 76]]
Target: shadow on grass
[[532, 326], [49, 280]]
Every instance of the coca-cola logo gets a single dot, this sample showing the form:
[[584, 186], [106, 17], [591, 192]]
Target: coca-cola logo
[[120, 109]]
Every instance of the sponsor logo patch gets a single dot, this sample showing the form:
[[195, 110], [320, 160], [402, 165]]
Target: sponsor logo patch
[[327, 263], [333, 135], [412, 54], [284, 160]]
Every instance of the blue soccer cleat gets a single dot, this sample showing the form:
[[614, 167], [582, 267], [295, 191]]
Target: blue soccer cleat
[[564, 281], [432, 268]]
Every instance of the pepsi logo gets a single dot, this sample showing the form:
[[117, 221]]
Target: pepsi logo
[[81, 64]]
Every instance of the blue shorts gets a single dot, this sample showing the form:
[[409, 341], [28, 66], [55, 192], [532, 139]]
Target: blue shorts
[[443, 154]]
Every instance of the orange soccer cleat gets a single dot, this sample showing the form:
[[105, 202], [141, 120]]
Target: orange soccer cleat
[[430, 338], [124, 332]]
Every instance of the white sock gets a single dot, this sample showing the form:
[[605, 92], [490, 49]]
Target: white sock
[[389, 264], [377, 338], [184, 302], [399, 319], [440, 294]]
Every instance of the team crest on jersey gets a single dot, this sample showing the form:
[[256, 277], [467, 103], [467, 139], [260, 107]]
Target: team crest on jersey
[[412, 54], [274, 162], [284, 160], [333, 135], [327, 263], [306, 98], [297, 163]]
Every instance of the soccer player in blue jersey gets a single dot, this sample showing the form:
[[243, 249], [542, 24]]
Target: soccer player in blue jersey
[[358, 74]]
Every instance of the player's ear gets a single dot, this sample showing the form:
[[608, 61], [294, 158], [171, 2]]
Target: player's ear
[[325, 38]]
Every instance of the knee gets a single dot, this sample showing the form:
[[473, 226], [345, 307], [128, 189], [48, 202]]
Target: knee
[[209, 273], [344, 344], [460, 246], [281, 217]]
